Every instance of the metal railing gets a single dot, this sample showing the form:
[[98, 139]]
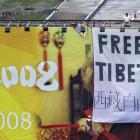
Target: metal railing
[[69, 23]]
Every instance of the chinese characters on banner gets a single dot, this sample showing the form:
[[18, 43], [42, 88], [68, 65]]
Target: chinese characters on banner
[[116, 76]]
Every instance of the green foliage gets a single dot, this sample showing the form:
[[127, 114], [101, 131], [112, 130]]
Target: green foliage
[[28, 9], [32, 2]]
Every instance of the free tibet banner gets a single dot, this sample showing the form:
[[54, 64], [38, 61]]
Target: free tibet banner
[[35, 67], [116, 76]]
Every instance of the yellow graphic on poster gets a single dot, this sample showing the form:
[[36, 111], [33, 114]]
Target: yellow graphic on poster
[[34, 78]]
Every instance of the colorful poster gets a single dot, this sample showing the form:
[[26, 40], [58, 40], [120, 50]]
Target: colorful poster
[[35, 67], [116, 76]]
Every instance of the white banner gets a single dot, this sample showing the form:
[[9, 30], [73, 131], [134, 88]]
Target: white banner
[[116, 76]]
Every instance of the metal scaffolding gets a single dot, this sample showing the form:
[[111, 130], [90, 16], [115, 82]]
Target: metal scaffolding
[[68, 23], [49, 23]]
